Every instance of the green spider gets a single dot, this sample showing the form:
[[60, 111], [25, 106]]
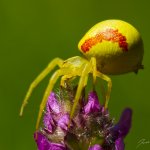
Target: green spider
[[110, 47]]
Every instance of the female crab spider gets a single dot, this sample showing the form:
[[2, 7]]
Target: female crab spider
[[109, 47]]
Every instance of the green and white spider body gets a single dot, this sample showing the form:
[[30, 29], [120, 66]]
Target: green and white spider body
[[110, 47]]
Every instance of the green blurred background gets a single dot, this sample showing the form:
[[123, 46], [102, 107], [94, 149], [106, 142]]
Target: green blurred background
[[33, 32]]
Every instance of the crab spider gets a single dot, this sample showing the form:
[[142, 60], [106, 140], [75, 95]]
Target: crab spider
[[110, 47]]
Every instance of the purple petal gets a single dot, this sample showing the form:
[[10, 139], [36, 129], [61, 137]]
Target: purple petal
[[119, 144], [52, 104], [64, 121], [124, 123], [93, 104], [56, 146], [44, 144], [96, 147], [48, 122]]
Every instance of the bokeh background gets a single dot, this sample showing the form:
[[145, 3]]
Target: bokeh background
[[33, 32]]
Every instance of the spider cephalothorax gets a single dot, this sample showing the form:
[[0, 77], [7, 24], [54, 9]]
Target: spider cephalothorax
[[110, 47]]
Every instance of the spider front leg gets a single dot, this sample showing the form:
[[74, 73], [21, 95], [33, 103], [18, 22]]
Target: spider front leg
[[66, 77], [109, 82], [94, 69], [39, 78], [82, 83], [48, 90]]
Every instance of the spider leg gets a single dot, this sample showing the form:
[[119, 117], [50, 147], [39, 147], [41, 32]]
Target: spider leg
[[109, 82], [39, 78], [48, 90], [65, 77], [83, 79], [103, 92], [104, 77], [94, 69]]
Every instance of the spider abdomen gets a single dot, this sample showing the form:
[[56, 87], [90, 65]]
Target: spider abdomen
[[109, 34], [116, 45]]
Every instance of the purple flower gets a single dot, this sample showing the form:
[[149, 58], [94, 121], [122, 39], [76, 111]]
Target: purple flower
[[96, 147], [64, 121], [119, 144], [124, 123], [53, 116], [44, 144], [93, 104], [52, 104], [90, 129]]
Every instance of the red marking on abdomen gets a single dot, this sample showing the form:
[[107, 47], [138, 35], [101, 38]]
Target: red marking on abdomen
[[108, 35]]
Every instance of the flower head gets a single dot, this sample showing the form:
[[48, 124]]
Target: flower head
[[90, 129]]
